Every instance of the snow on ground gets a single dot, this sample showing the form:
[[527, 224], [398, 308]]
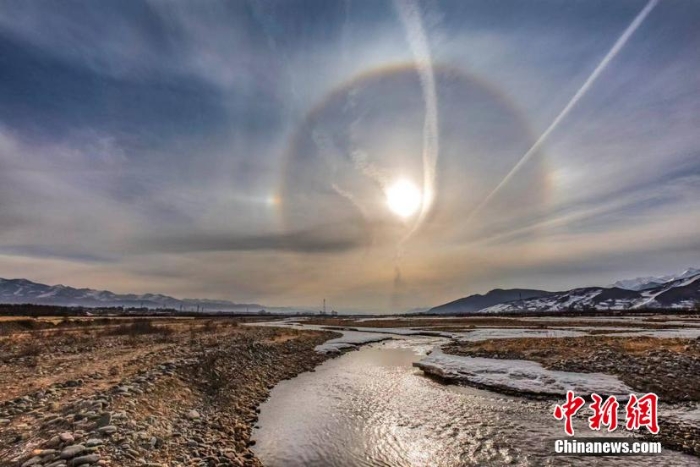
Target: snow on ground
[[483, 334], [414, 317], [688, 415], [686, 323], [519, 375], [479, 334], [350, 339], [381, 318], [685, 333], [593, 319], [692, 417], [397, 331], [603, 328], [401, 331]]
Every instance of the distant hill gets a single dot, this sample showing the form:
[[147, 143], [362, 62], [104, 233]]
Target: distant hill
[[680, 291], [18, 291], [643, 283], [478, 302], [681, 294]]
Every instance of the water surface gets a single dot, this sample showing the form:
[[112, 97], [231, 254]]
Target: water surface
[[372, 408]]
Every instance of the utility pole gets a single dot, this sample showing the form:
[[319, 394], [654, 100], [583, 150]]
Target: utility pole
[[324, 306]]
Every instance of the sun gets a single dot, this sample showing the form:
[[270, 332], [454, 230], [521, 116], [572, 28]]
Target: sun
[[403, 198]]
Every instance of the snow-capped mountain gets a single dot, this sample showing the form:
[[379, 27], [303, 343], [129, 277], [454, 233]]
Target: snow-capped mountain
[[20, 291], [679, 294], [681, 291], [643, 283], [478, 302]]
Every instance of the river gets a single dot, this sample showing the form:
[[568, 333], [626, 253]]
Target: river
[[371, 407]]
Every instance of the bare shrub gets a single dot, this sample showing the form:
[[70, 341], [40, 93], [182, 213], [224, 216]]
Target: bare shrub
[[139, 328], [30, 324], [193, 336], [31, 349]]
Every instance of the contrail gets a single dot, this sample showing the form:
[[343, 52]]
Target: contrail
[[619, 44], [350, 197], [409, 12]]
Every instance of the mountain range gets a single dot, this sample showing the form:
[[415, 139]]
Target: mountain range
[[679, 291], [18, 291], [649, 282], [478, 302]]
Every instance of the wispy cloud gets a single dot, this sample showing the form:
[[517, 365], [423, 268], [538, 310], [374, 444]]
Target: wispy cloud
[[239, 149]]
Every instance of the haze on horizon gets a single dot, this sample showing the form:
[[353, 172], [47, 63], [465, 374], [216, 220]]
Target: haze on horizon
[[283, 152]]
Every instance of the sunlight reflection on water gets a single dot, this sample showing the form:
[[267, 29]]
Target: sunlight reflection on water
[[372, 408]]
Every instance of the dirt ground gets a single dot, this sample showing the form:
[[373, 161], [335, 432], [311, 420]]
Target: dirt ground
[[128, 391], [466, 323]]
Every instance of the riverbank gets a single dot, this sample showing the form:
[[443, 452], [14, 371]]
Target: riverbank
[[668, 367], [143, 392]]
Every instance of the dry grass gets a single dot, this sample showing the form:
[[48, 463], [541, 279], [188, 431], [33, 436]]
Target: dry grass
[[472, 322], [585, 345]]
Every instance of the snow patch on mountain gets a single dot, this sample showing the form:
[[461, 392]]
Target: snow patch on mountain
[[682, 293], [643, 283], [22, 291]]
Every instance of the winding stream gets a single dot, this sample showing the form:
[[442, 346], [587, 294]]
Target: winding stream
[[372, 408]]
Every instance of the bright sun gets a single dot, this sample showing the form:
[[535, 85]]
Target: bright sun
[[403, 198]]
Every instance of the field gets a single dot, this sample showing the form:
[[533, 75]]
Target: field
[[165, 391]]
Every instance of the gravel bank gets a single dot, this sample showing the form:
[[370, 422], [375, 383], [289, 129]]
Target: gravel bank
[[186, 397]]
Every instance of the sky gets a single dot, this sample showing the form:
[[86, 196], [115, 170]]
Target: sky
[[244, 150]]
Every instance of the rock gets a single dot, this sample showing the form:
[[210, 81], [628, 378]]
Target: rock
[[107, 430], [104, 420], [45, 452], [53, 442], [66, 437], [33, 461], [82, 460], [193, 414], [93, 442], [72, 451]]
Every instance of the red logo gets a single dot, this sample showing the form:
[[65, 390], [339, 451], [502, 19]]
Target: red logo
[[642, 412], [639, 412], [604, 413], [568, 410]]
